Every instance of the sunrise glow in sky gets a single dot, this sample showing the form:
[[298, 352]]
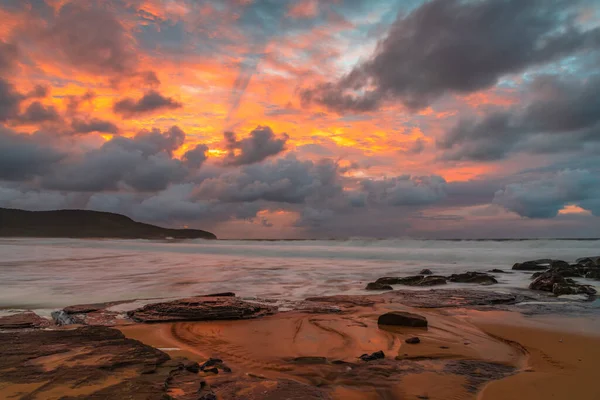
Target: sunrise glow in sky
[[307, 118]]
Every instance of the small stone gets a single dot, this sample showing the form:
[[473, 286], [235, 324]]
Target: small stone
[[425, 272], [378, 355], [413, 340], [444, 347]]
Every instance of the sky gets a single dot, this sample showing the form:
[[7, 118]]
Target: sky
[[307, 118]]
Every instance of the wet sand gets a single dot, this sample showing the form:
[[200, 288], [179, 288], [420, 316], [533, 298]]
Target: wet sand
[[462, 355]]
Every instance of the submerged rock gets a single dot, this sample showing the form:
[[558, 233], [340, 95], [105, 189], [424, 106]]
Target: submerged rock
[[200, 309], [553, 281], [401, 318], [499, 271], [25, 320], [561, 289], [473, 277], [378, 286], [425, 272], [378, 355], [536, 265]]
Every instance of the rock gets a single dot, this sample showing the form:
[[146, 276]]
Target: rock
[[559, 264], [378, 355], [223, 294], [63, 318], [200, 309], [416, 280], [546, 281], [378, 286], [536, 274], [561, 289], [593, 274], [589, 261], [425, 272], [401, 318], [413, 340], [213, 370], [499, 271], [25, 320], [208, 396], [192, 366], [310, 360], [211, 362], [473, 277], [537, 265]]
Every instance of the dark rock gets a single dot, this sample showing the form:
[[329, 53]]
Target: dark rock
[[226, 368], [536, 274], [223, 294], [589, 261], [499, 271], [425, 272], [416, 280], [413, 340], [546, 281], [537, 265], [561, 289], [213, 370], [432, 280], [200, 309], [378, 355], [63, 318], [378, 286], [401, 318], [310, 360], [593, 274], [208, 396], [473, 277], [211, 362], [192, 366], [25, 320], [559, 264]]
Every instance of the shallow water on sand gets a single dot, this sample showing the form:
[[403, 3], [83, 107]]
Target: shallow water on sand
[[52, 273]]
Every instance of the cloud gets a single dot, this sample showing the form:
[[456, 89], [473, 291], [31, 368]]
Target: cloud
[[8, 56], [10, 101], [544, 198], [21, 157], [150, 102], [405, 190], [261, 144], [195, 157], [37, 113], [284, 180], [92, 39], [460, 47], [142, 163], [93, 125], [558, 107]]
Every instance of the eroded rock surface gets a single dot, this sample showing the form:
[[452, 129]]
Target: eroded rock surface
[[200, 309], [25, 320]]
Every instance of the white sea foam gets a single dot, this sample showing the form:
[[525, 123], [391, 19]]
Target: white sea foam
[[53, 273]]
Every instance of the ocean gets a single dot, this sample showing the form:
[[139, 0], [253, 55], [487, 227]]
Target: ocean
[[47, 274]]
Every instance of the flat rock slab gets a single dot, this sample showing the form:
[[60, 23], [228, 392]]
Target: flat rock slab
[[88, 362], [442, 298], [401, 318], [200, 309], [26, 320]]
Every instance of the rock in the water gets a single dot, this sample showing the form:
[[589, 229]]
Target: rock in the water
[[200, 309], [401, 318], [589, 261], [473, 277], [561, 289], [593, 274], [378, 355], [499, 271], [25, 320], [378, 286], [413, 340], [559, 264], [416, 280], [536, 265], [425, 272]]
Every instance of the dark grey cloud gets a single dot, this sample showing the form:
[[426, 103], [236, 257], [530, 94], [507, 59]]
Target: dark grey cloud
[[38, 92], [143, 163], [545, 197], [8, 56], [405, 190], [458, 46], [261, 144], [562, 114], [150, 102], [284, 180], [37, 113], [21, 157], [195, 157], [10, 100], [93, 125]]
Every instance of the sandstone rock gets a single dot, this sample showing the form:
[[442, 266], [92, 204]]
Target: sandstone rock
[[413, 340], [192, 366], [25, 320], [200, 309], [425, 272], [401, 318], [378, 355], [473, 277], [378, 286]]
